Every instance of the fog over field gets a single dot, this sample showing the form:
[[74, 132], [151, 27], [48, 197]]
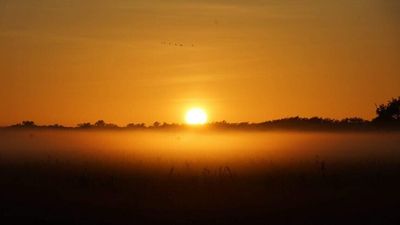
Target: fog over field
[[198, 177], [196, 150]]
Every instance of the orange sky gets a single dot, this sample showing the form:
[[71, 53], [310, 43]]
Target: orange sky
[[71, 61]]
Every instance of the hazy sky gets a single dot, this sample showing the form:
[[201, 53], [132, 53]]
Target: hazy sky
[[71, 61]]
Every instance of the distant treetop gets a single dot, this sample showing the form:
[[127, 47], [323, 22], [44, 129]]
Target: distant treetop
[[388, 117], [389, 112]]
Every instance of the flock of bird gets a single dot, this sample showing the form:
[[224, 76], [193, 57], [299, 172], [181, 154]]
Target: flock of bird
[[175, 44]]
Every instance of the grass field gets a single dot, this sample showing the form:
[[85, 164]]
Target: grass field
[[104, 177]]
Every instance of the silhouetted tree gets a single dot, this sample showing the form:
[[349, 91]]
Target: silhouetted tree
[[389, 112], [84, 125], [111, 126], [156, 124], [100, 123], [28, 124], [133, 125]]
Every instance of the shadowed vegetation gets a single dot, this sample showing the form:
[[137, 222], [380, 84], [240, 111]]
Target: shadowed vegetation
[[388, 118]]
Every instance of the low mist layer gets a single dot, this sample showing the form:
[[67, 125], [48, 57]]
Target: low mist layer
[[194, 151], [150, 177]]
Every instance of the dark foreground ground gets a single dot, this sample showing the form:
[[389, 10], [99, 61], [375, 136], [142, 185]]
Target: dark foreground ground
[[54, 192]]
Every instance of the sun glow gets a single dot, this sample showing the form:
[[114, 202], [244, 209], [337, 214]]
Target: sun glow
[[196, 116]]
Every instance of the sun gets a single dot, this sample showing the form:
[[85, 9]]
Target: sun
[[196, 116]]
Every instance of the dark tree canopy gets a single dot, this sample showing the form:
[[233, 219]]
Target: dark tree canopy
[[84, 125], [100, 123], [389, 112], [28, 124]]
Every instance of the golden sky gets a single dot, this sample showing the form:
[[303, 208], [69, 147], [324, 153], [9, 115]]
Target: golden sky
[[71, 61]]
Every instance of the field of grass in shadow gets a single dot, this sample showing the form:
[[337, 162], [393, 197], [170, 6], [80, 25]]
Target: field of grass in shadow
[[58, 192]]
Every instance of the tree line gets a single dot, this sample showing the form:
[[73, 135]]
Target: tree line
[[387, 117]]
